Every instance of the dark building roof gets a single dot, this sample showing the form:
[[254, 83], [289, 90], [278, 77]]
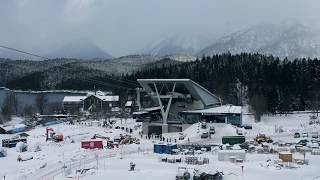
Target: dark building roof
[[182, 86]]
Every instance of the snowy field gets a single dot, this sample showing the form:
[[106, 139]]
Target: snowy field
[[61, 160]]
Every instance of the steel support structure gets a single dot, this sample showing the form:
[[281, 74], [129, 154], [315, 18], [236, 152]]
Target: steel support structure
[[164, 112]]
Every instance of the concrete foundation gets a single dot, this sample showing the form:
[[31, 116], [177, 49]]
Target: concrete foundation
[[165, 128], [159, 128]]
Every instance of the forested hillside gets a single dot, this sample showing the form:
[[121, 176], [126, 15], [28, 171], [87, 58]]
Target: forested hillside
[[71, 73], [265, 82]]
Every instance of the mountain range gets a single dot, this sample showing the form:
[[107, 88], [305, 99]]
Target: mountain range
[[292, 41], [77, 49], [177, 44], [80, 49]]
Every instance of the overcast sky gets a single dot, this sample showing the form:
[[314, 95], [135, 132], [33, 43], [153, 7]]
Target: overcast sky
[[123, 27]]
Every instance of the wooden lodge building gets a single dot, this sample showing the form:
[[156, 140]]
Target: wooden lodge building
[[97, 102]]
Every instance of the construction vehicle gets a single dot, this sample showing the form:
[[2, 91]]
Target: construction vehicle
[[128, 139], [263, 138], [51, 135], [111, 145]]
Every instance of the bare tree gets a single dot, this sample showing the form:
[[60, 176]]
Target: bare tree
[[54, 108], [9, 107], [259, 105], [41, 102], [27, 111]]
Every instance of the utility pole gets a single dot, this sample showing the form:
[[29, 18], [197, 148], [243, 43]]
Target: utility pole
[[242, 167]]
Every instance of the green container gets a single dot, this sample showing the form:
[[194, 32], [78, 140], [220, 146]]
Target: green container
[[233, 140]]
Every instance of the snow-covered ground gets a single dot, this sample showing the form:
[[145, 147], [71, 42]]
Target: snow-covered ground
[[114, 163]]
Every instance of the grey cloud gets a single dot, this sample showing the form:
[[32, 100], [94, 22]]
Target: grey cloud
[[122, 27]]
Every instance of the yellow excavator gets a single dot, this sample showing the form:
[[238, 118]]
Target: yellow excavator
[[263, 138]]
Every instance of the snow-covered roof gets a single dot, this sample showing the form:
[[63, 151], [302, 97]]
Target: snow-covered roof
[[140, 112], [81, 98], [129, 103], [115, 109], [225, 109], [152, 108], [181, 86], [74, 98], [285, 152], [16, 126], [92, 140], [99, 93], [231, 151], [107, 98], [147, 110]]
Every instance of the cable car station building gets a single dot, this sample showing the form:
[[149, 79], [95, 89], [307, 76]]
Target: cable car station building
[[172, 105]]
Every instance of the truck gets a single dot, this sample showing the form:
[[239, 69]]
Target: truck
[[233, 140]]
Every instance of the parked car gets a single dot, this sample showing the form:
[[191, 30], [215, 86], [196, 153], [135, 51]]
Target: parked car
[[305, 134], [204, 125], [207, 176], [315, 135], [204, 135], [212, 130], [296, 135], [247, 126], [239, 131], [303, 142]]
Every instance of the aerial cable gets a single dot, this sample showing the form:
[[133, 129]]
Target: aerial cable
[[23, 52]]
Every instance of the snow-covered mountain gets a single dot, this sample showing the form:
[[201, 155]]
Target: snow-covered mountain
[[294, 40], [5, 53], [175, 44], [181, 58], [80, 49]]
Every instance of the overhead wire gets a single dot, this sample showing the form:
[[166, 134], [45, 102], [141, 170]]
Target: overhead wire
[[24, 52], [123, 81]]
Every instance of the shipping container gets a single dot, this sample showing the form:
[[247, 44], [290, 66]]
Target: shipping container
[[92, 144], [164, 148], [233, 140]]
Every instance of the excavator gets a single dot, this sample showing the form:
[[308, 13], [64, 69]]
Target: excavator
[[263, 138], [51, 135]]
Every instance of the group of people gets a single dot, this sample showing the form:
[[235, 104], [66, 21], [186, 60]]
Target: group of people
[[161, 138]]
